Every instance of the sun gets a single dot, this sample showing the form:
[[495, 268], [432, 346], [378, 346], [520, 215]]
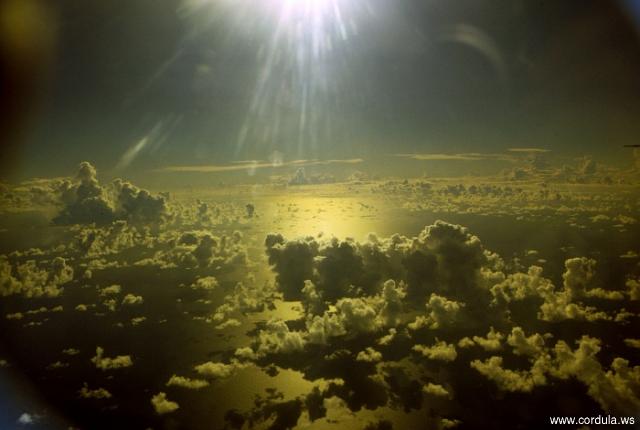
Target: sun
[[301, 49]]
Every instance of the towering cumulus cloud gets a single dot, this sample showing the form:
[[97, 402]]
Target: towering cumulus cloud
[[444, 258], [85, 201]]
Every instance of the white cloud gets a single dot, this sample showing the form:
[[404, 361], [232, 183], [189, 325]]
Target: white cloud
[[85, 201], [31, 280], [110, 290], [369, 355], [522, 345], [506, 379], [491, 342], [435, 390], [633, 343], [441, 312], [614, 389], [132, 300], [277, 338], [107, 363], [206, 283], [388, 338], [232, 322], [99, 393], [439, 351], [358, 315], [27, 419], [192, 384], [321, 328], [162, 405], [633, 287], [217, 370]]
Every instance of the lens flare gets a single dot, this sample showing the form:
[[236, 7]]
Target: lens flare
[[295, 103]]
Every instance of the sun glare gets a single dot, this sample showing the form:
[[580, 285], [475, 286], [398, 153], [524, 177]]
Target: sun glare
[[302, 47]]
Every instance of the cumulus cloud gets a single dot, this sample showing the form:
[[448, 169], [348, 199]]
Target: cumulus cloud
[[138, 320], [369, 355], [206, 283], [312, 298], [278, 338], [435, 390], [162, 405], [359, 298], [359, 315], [110, 304], [615, 389], [192, 384], [321, 328], [199, 250], [392, 307], [57, 365], [85, 201], [633, 287], [31, 280], [519, 286], [491, 342], [532, 346], [293, 262], [246, 298], [217, 370], [136, 204], [40, 310], [107, 363], [556, 304], [232, 322], [466, 342], [439, 351], [362, 301], [349, 316], [441, 312], [558, 307], [111, 290], [111, 239], [577, 278], [132, 300], [245, 353], [442, 258], [388, 338], [99, 393], [633, 343], [507, 379]]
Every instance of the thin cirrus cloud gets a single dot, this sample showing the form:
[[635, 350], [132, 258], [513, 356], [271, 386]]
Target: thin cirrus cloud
[[467, 156], [253, 165], [529, 150]]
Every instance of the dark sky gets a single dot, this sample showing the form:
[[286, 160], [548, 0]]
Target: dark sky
[[412, 76]]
